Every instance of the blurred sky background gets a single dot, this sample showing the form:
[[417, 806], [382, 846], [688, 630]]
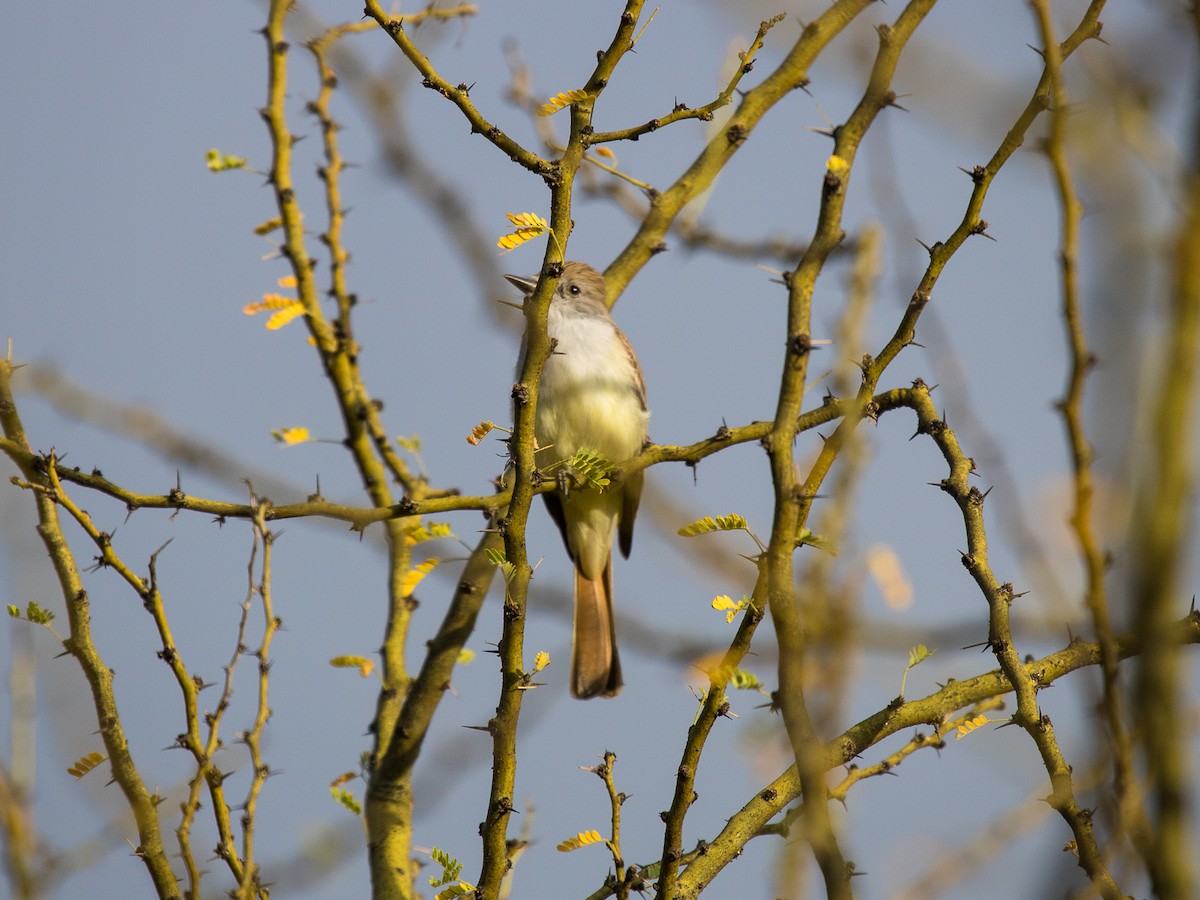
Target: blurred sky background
[[126, 264]]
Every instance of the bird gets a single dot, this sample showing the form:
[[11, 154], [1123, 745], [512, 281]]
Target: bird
[[591, 396]]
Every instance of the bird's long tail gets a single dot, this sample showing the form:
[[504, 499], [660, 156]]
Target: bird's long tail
[[595, 667]]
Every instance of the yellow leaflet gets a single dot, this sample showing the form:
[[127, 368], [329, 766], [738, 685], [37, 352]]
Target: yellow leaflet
[[285, 315], [528, 226], [268, 302], [479, 432], [419, 534], [465, 656], [560, 101], [287, 281], [221, 162], [580, 840], [365, 666], [727, 605], [343, 778], [268, 226], [708, 525], [413, 576], [541, 661], [528, 220], [289, 437], [85, 764], [605, 152], [461, 889], [967, 727]]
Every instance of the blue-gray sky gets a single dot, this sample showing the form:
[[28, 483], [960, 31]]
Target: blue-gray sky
[[126, 264]]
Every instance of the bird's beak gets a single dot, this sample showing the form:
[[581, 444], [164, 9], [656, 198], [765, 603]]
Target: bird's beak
[[524, 285]]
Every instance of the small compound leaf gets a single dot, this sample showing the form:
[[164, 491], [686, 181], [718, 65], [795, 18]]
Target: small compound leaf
[[346, 799], [479, 432], [430, 531], [413, 576], [85, 764], [918, 655], [365, 666], [290, 437], [580, 840], [967, 727], [527, 225], [591, 467], [709, 525], [459, 889], [561, 101], [223, 162]]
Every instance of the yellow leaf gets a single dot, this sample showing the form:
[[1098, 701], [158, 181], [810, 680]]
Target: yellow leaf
[[268, 226], [430, 531], [527, 225], [413, 576], [287, 281], [85, 764], [605, 152], [580, 840], [285, 315], [221, 162], [708, 525], [541, 660], [289, 437], [268, 302], [465, 656], [365, 666], [479, 432], [967, 727], [729, 606], [343, 778], [460, 889], [559, 101]]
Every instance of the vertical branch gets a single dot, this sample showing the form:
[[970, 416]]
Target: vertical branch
[[1160, 546], [80, 645], [793, 501], [18, 828], [713, 706], [503, 726], [1072, 409], [253, 738], [1025, 684]]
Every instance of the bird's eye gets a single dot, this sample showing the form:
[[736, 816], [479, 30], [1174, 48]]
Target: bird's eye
[[574, 289]]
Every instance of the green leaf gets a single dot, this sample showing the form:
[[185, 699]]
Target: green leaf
[[223, 162], [37, 615], [346, 799], [591, 467], [451, 868]]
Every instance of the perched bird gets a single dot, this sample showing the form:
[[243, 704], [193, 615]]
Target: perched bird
[[591, 396]]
